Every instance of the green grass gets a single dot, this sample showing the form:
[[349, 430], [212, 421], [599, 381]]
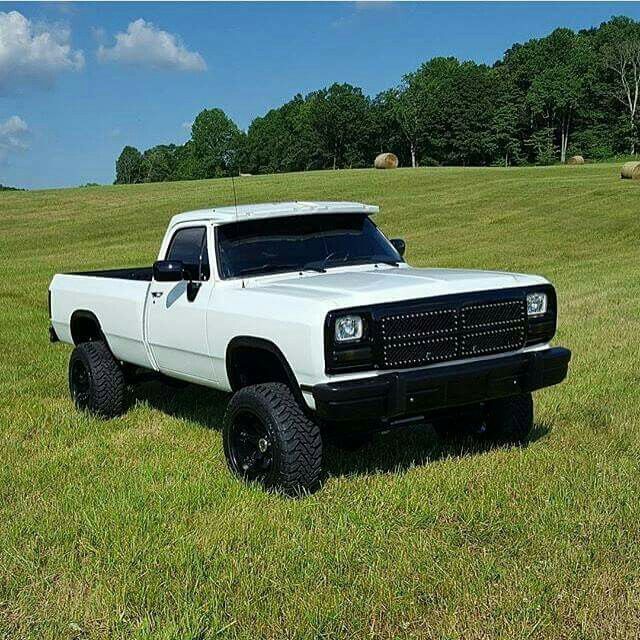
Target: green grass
[[133, 528]]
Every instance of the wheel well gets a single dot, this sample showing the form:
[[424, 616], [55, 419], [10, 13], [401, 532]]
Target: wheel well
[[254, 361], [85, 327]]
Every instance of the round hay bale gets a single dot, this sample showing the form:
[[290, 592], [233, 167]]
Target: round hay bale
[[576, 160], [386, 161], [630, 171]]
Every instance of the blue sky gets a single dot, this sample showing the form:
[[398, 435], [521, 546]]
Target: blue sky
[[72, 94]]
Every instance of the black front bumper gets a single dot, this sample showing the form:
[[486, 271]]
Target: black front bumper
[[391, 396]]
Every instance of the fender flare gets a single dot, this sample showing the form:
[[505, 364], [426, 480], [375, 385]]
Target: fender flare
[[264, 345], [84, 314]]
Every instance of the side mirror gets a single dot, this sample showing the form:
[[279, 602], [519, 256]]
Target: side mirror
[[168, 270], [399, 245]]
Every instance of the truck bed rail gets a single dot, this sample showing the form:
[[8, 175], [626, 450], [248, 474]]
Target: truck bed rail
[[144, 274]]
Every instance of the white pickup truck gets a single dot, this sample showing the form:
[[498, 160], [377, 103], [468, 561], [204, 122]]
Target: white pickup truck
[[311, 317]]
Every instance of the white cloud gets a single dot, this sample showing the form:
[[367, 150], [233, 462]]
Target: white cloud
[[143, 44], [33, 53], [187, 125], [13, 134]]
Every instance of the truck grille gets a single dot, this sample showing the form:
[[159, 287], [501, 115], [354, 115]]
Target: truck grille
[[450, 331]]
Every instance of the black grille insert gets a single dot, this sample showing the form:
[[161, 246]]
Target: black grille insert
[[411, 325], [450, 330], [492, 314]]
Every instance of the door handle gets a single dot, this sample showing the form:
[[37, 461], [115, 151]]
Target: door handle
[[157, 294]]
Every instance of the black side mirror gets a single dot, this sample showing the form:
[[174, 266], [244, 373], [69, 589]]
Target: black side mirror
[[399, 245], [168, 270]]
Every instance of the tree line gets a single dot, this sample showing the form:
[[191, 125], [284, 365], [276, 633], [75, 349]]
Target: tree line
[[544, 100]]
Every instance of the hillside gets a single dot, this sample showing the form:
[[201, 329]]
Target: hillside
[[134, 528]]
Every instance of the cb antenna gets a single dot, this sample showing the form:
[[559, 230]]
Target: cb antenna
[[235, 196]]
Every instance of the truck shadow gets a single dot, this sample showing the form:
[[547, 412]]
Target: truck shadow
[[388, 453], [189, 402], [411, 447]]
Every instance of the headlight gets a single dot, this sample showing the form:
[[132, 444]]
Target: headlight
[[349, 329], [536, 304]]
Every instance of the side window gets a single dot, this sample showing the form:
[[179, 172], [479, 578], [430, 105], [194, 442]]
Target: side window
[[190, 246]]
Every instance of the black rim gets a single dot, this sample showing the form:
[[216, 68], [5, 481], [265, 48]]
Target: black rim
[[80, 381], [251, 446]]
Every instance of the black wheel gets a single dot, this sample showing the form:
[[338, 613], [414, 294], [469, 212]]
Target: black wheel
[[269, 439], [96, 380], [509, 419]]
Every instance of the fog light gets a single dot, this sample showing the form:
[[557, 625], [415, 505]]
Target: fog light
[[536, 304]]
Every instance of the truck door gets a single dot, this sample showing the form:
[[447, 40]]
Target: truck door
[[176, 312]]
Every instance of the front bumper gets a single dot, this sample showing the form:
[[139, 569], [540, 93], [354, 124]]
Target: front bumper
[[397, 395]]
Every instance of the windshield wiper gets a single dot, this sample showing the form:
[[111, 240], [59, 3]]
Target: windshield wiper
[[356, 261], [277, 268], [379, 259], [321, 265], [261, 268]]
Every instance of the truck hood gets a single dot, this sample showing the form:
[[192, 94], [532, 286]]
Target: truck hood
[[374, 285]]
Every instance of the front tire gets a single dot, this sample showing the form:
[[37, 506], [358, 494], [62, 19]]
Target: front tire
[[96, 380], [270, 440]]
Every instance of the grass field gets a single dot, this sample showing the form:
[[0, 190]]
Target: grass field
[[133, 528]]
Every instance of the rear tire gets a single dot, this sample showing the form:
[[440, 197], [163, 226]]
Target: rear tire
[[96, 380], [509, 420], [270, 440]]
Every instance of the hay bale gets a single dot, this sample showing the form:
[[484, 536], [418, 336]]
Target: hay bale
[[575, 160], [386, 161], [630, 171]]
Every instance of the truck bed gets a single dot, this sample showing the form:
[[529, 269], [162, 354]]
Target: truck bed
[[116, 297], [143, 274]]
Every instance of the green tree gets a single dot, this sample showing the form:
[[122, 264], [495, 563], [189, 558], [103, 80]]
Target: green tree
[[282, 140], [339, 117], [159, 163], [218, 143], [407, 109], [555, 72], [266, 143], [468, 100], [422, 106], [186, 165], [386, 133], [446, 109], [620, 57], [541, 145], [507, 119], [129, 166]]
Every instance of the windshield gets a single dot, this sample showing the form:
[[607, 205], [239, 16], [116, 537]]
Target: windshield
[[298, 243]]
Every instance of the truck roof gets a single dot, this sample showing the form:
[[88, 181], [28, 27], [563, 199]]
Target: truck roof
[[223, 215]]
